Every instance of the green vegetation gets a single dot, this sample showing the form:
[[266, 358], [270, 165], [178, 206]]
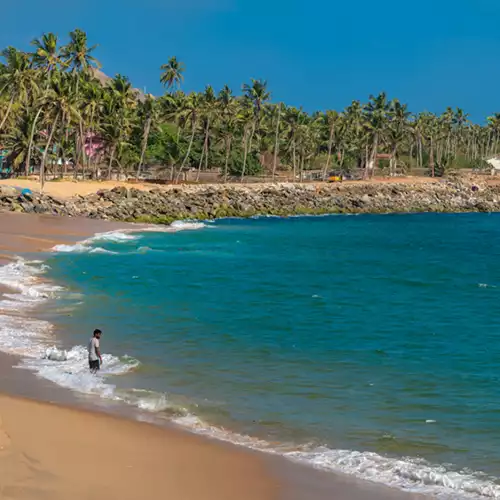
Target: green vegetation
[[59, 116]]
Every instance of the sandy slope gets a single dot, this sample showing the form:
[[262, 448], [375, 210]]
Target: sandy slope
[[51, 452]]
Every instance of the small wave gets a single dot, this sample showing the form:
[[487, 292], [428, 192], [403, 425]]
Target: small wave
[[23, 278], [19, 334], [180, 225], [70, 369], [80, 248], [409, 474], [113, 236]]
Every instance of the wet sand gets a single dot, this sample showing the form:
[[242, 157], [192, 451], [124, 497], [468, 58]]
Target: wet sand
[[63, 450], [27, 233]]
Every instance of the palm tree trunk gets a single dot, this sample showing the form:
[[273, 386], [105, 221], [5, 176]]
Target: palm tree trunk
[[46, 152], [228, 152], [420, 152], [373, 156], [204, 152], [147, 128], [7, 113], [294, 160], [30, 145], [276, 142], [431, 158], [111, 158], [188, 151], [82, 149], [248, 147], [330, 144], [200, 163]]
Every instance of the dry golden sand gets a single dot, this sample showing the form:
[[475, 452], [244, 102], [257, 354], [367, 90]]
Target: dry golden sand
[[57, 453]]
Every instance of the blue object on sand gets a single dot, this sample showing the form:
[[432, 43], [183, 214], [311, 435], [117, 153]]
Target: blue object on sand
[[26, 191]]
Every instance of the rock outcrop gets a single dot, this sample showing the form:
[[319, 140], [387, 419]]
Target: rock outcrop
[[213, 201]]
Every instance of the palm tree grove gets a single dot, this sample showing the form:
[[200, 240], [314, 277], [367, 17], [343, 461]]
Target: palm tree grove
[[60, 117]]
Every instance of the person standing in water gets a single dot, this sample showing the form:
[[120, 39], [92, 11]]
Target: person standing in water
[[95, 358]]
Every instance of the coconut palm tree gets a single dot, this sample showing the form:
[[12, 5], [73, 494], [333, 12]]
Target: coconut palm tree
[[376, 112], [189, 114], [257, 94], [331, 119], [397, 130], [227, 126], [62, 106], [173, 73], [47, 55], [17, 80], [149, 112], [77, 55], [17, 139], [207, 115], [276, 136]]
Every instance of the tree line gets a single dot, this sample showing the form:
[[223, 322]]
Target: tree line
[[58, 113]]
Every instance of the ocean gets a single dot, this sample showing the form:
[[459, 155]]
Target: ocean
[[364, 344]]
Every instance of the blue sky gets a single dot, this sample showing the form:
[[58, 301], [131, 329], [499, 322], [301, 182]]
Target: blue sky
[[319, 54]]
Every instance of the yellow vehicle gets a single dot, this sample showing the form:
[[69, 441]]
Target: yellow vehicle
[[334, 178]]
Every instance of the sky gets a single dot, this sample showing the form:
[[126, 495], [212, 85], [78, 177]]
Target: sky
[[318, 54]]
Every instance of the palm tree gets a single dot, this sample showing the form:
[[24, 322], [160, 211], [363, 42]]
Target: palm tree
[[377, 114], [62, 106], [17, 79], [119, 104], [228, 124], [172, 75], [149, 110], [257, 94], [189, 114], [91, 110], [276, 140], [47, 55], [208, 111], [292, 120], [431, 131], [17, 140], [77, 55], [331, 119], [397, 129]]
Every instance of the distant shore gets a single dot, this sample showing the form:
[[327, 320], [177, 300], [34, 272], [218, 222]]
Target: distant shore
[[165, 204]]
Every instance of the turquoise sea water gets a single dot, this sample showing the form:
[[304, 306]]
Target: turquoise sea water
[[365, 344]]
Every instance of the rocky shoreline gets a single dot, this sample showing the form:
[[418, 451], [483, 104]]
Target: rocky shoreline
[[164, 205]]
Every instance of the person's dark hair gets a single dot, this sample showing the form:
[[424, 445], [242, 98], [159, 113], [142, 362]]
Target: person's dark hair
[[97, 332]]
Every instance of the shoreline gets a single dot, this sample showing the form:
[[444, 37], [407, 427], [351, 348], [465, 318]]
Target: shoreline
[[148, 204], [290, 473], [138, 458]]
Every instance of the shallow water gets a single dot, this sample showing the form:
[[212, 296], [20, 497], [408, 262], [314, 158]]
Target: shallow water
[[367, 344]]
